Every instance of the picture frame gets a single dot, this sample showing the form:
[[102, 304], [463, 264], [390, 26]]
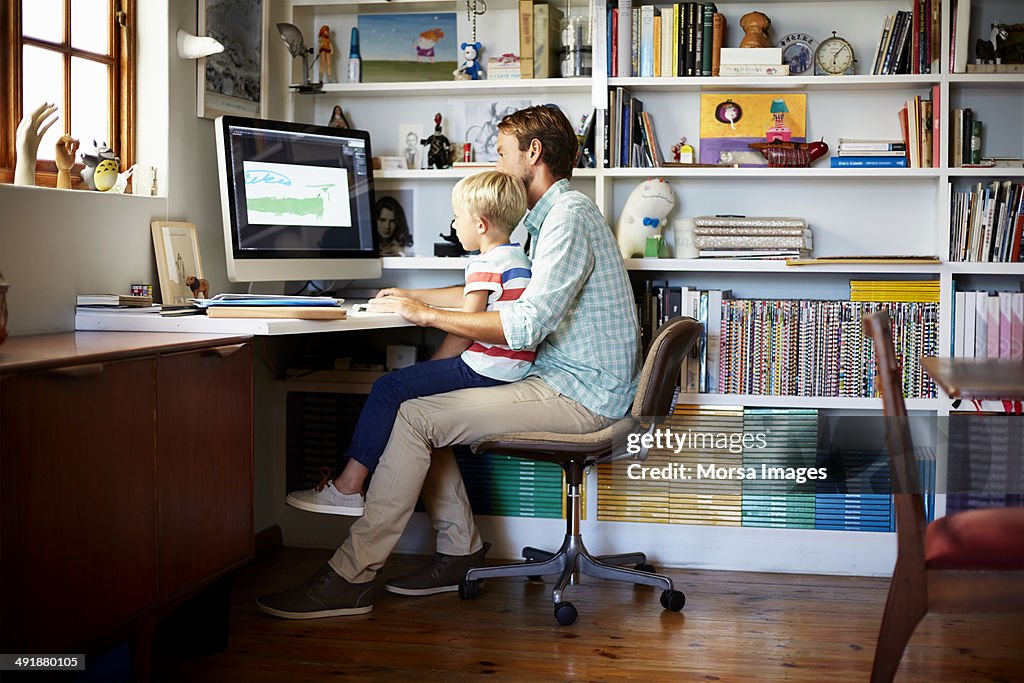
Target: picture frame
[[409, 146], [476, 122], [176, 246], [393, 221], [414, 47], [233, 81]]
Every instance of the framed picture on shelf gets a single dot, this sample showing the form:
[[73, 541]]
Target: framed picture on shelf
[[176, 246], [729, 123], [409, 147], [408, 47], [233, 81], [392, 215], [476, 122]]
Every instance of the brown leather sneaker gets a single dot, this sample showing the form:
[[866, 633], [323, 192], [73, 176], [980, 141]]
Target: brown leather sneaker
[[442, 575], [324, 595]]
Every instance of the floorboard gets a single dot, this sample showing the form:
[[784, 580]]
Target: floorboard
[[736, 626]]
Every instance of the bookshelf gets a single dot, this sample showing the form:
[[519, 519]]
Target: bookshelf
[[852, 211]]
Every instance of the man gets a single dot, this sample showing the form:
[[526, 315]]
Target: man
[[578, 308]]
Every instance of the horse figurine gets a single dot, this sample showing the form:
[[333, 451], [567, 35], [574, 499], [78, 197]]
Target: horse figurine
[[991, 51]]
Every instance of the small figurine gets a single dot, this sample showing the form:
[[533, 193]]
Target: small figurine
[[991, 51], [756, 26], [199, 286], [682, 153], [425, 44], [30, 132], [791, 154], [64, 157], [338, 119], [440, 153], [325, 52], [92, 161], [469, 69]]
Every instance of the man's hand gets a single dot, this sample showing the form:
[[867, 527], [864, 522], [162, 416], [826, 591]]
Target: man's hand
[[410, 309], [391, 291]]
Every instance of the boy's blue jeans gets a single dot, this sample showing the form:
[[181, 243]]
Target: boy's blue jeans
[[373, 429]]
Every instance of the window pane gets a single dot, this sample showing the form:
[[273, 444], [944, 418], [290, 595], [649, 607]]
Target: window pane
[[90, 25], [43, 19], [90, 88], [44, 82]]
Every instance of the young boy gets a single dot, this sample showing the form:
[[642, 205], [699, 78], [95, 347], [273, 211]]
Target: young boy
[[487, 207]]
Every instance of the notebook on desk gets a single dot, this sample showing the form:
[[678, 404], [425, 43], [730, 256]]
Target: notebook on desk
[[295, 312]]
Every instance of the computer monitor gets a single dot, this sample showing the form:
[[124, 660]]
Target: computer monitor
[[297, 201]]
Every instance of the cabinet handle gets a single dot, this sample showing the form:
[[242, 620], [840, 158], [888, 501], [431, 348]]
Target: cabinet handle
[[224, 351], [78, 371]]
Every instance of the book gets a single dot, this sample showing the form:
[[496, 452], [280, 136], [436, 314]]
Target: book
[[236, 300], [526, 38], [298, 312], [113, 300], [769, 56], [868, 162], [718, 26], [105, 309], [547, 20], [753, 70], [867, 145]]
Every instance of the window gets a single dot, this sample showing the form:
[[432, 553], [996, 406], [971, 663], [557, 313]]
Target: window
[[79, 55]]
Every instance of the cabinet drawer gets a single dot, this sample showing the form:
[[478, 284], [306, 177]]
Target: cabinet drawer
[[204, 464], [76, 502]]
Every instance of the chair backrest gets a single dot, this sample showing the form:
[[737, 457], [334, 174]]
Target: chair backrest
[[665, 356], [910, 518]]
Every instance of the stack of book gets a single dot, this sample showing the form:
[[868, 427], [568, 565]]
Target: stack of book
[[909, 43], [760, 237], [683, 39], [870, 153], [752, 61], [986, 222], [965, 147], [926, 291], [988, 325], [630, 138], [116, 303]]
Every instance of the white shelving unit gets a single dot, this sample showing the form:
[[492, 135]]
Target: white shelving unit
[[852, 211]]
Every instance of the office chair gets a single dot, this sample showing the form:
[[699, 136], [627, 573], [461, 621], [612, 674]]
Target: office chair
[[575, 453], [968, 562]]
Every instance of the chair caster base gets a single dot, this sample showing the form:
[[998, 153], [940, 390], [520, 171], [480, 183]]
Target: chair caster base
[[673, 600]]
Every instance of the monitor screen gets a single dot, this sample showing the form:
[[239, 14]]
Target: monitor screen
[[297, 201]]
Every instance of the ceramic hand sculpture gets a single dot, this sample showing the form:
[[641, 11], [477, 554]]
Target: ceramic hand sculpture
[[30, 131], [67, 147]]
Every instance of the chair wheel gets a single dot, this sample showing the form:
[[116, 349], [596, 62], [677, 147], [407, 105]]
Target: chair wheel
[[673, 601], [469, 590], [565, 613], [532, 577], [644, 567]]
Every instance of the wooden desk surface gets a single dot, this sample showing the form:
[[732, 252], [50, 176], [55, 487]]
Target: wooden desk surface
[[977, 378]]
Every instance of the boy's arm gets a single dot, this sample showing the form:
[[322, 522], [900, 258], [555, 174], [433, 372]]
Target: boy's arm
[[443, 297], [453, 345]]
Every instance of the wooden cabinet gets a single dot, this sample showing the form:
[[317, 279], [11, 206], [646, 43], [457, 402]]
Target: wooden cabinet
[[125, 479]]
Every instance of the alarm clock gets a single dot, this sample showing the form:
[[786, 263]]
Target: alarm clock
[[798, 52], [834, 57]]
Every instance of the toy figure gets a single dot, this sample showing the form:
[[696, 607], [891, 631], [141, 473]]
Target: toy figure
[[469, 69], [30, 132], [644, 216], [325, 54], [338, 119], [682, 153], [425, 44], [200, 287], [991, 51], [756, 26], [440, 153], [92, 161]]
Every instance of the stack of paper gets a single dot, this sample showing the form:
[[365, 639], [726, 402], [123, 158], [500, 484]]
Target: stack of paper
[[272, 306]]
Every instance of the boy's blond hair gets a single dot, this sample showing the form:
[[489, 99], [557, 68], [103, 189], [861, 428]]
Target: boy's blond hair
[[497, 196]]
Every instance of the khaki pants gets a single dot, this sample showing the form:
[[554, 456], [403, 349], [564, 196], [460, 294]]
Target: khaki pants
[[417, 459]]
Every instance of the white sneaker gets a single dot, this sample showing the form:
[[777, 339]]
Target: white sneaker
[[327, 500]]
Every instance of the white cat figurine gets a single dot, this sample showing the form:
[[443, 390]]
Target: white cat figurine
[[643, 216]]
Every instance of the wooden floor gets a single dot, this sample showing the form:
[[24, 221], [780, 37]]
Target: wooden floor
[[736, 626]]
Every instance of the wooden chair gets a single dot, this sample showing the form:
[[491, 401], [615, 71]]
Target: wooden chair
[[575, 453], [967, 562]]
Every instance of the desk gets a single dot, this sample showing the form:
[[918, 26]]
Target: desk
[[977, 379], [105, 321]]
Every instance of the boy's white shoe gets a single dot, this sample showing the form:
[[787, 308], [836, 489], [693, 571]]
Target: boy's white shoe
[[327, 500]]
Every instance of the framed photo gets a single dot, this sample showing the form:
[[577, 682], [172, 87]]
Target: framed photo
[[233, 81], [408, 47], [392, 216], [409, 136], [729, 123], [177, 259], [476, 122]]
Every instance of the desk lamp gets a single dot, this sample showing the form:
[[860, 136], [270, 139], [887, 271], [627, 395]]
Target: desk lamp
[[292, 37]]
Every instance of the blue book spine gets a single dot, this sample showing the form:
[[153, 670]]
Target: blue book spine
[[869, 162]]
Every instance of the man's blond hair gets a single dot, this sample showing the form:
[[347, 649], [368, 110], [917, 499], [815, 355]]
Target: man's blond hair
[[497, 196]]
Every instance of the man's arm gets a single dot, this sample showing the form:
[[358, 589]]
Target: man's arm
[[445, 297], [453, 344]]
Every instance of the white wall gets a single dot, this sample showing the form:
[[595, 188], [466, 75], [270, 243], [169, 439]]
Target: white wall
[[56, 243]]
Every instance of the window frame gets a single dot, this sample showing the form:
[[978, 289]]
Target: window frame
[[121, 104]]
